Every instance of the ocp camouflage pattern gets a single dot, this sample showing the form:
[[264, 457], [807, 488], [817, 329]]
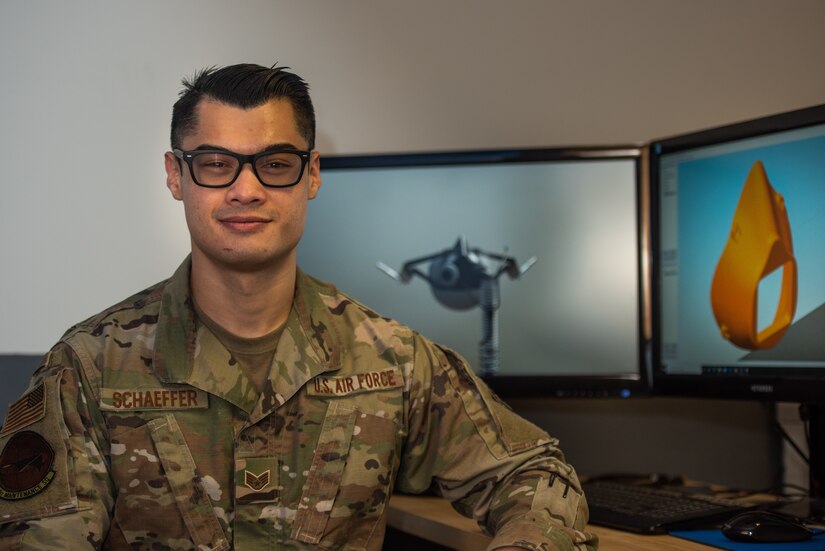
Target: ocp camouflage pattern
[[161, 442]]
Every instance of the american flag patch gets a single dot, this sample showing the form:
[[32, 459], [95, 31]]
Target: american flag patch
[[27, 410]]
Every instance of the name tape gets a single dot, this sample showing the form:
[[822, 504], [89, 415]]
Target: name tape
[[350, 384], [155, 398]]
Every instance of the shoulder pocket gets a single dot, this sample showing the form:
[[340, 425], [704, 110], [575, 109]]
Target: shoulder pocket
[[37, 476], [504, 431]]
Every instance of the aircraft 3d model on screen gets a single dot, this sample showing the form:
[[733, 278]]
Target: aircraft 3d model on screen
[[759, 243], [462, 278]]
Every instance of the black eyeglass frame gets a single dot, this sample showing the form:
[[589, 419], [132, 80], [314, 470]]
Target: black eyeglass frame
[[188, 157]]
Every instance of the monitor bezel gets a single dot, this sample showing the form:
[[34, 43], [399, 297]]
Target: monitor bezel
[[808, 388], [623, 385]]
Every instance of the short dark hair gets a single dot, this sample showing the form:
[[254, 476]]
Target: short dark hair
[[244, 85]]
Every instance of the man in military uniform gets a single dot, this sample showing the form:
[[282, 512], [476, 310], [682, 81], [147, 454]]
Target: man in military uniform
[[242, 404]]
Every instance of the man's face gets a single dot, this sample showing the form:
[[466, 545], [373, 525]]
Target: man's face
[[245, 226]]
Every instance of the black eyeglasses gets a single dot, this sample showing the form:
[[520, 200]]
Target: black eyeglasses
[[220, 168]]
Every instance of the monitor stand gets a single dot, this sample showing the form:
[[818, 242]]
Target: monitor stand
[[816, 457], [812, 508]]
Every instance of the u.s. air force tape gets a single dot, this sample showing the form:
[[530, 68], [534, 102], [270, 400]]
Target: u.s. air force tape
[[361, 382], [165, 398]]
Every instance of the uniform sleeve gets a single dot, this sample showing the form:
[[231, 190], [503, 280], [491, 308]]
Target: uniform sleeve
[[467, 445], [55, 491]]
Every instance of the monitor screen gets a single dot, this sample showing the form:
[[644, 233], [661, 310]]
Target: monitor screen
[[738, 259], [569, 324]]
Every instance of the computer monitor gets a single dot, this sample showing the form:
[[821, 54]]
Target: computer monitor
[[738, 264], [570, 325]]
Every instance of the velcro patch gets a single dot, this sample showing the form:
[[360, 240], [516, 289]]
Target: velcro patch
[[166, 398], [351, 384], [256, 480], [27, 410]]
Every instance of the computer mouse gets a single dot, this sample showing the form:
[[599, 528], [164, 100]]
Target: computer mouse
[[765, 527]]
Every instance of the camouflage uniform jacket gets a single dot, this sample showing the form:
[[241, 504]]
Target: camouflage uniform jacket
[[140, 432]]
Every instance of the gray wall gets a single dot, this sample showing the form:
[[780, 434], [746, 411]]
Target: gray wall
[[87, 87], [716, 440]]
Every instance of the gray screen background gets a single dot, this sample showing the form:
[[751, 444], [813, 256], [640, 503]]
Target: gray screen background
[[575, 312]]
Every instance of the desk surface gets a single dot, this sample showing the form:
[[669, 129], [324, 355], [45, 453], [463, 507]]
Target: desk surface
[[434, 519]]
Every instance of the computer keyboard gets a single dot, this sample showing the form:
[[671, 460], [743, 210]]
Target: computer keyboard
[[653, 510]]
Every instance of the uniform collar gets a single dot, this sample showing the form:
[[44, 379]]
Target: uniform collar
[[186, 352]]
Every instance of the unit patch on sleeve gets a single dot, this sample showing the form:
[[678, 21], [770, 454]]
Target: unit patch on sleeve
[[350, 384], [25, 466]]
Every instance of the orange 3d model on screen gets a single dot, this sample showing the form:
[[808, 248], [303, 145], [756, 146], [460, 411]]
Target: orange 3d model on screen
[[759, 243]]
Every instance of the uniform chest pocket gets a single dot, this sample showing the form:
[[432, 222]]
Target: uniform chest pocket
[[349, 481], [160, 496]]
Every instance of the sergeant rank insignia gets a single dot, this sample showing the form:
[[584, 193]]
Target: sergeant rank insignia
[[254, 482]]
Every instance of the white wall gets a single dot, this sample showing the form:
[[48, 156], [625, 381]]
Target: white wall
[[87, 88]]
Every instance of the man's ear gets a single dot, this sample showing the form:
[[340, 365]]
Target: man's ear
[[173, 174], [314, 174]]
